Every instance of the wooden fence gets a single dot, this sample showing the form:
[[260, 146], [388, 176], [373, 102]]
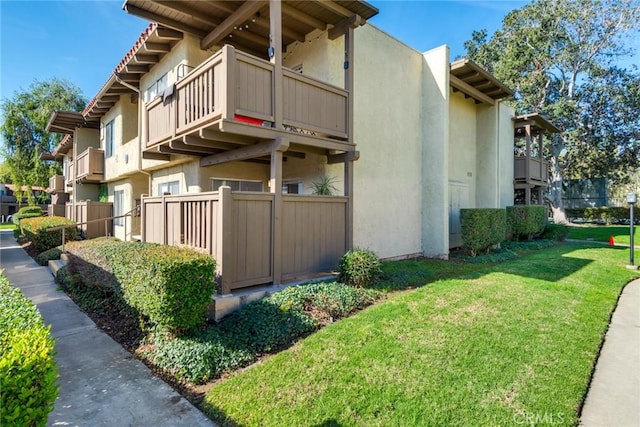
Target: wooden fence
[[88, 211], [240, 230]]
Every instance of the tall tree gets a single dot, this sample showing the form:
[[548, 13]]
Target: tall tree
[[24, 137], [559, 56]]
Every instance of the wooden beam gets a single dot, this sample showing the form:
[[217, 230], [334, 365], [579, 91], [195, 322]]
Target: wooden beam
[[296, 154], [243, 13], [194, 141], [251, 37], [349, 156], [138, 69], [244, 153], [303, 17], [335, 8], [180, 146], [275, 23], [141, 58], [470, 90], [129, 78], [168, 150], [224, 137], [183, 8], [157, 47], [341, 28], [167, 22], [150, 155], [169, 34], [106, 98]]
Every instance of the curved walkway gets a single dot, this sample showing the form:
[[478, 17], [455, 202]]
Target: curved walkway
[[614, 393], [101, 384]]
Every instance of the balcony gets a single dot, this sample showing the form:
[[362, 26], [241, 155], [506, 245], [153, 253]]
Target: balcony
[[233, 93], [70, 174], [56, 184], [90, 166], [530, 170]]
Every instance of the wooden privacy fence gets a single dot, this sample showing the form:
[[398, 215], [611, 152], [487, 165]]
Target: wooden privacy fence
[[87, 213], [256, 238]]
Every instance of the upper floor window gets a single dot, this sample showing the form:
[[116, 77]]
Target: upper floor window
[[108, 139], [292, 187], [236, 184], [171, 187], [183, 70], [156, 89]]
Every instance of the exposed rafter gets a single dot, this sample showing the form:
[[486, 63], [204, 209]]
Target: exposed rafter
[[168, 22], [243, 13], [244, 153], [302, 17]]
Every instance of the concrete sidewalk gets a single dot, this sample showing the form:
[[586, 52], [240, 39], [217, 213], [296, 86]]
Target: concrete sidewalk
[[614, 394], [101, 384]]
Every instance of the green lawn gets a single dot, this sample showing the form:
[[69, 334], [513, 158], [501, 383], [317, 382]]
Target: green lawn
[[7, 226], [493, 347], [601, 233]]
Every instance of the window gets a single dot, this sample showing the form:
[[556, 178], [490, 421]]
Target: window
[[236, 185], [156, 89], [108, 139], [183, 70], [118, 207], [292, 187], [172, 187]]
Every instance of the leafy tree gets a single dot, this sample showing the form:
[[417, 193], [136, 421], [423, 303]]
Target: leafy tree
[[24, 137], [559, 55]]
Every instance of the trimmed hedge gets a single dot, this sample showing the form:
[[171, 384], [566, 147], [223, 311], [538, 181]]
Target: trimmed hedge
[[558, 232], [36, 230], [27, 369], [51, 254], [359, 267], [482, 228], [26, 212], [525, 221], [171, 286], [607, 213]]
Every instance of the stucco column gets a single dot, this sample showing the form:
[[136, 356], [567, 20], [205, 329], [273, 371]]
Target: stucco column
[[435, 154]]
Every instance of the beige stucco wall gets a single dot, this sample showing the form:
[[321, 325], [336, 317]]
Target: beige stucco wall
[[487, 156], [133, 188], [435, 153], [463, 143], [320, 57], [505, 155], [387, 130], [235, 170], [188, 174], [126, 147]]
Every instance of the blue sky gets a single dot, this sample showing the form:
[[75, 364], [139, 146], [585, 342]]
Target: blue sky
[[82, 41]]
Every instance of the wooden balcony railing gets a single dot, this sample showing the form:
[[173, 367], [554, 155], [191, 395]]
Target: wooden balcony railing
[[239, 230], [69, 174], [56, 184], [232, 83], [90, 165], [538, 170]]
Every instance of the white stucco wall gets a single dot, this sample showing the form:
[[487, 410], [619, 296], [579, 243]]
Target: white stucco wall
[[435, 153], [387, 132]]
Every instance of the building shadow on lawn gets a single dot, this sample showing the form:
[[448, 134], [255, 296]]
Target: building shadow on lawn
[[549, 264]]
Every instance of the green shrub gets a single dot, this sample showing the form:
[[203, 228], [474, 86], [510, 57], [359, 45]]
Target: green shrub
[[36, 230], [359, 267], [556, 232], [26, 212], [171, 286], [607, 213], [256, 328], [51, 254], [482, 229], [17, 233], [27, 368], [525, 221]]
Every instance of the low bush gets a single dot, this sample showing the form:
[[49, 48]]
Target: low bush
[[27, 369], [37, 231], [17, 233], [359, 267], [44, 257], [558, 232], [482, 229], [531, 245], [607, 213], [525, 221], [26, 212], [259, 327]]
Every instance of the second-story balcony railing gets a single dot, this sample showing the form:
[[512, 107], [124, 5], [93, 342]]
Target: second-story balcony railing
[[69, 174], [233, 85], [538, 170], [90, 165], [56, 184]]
